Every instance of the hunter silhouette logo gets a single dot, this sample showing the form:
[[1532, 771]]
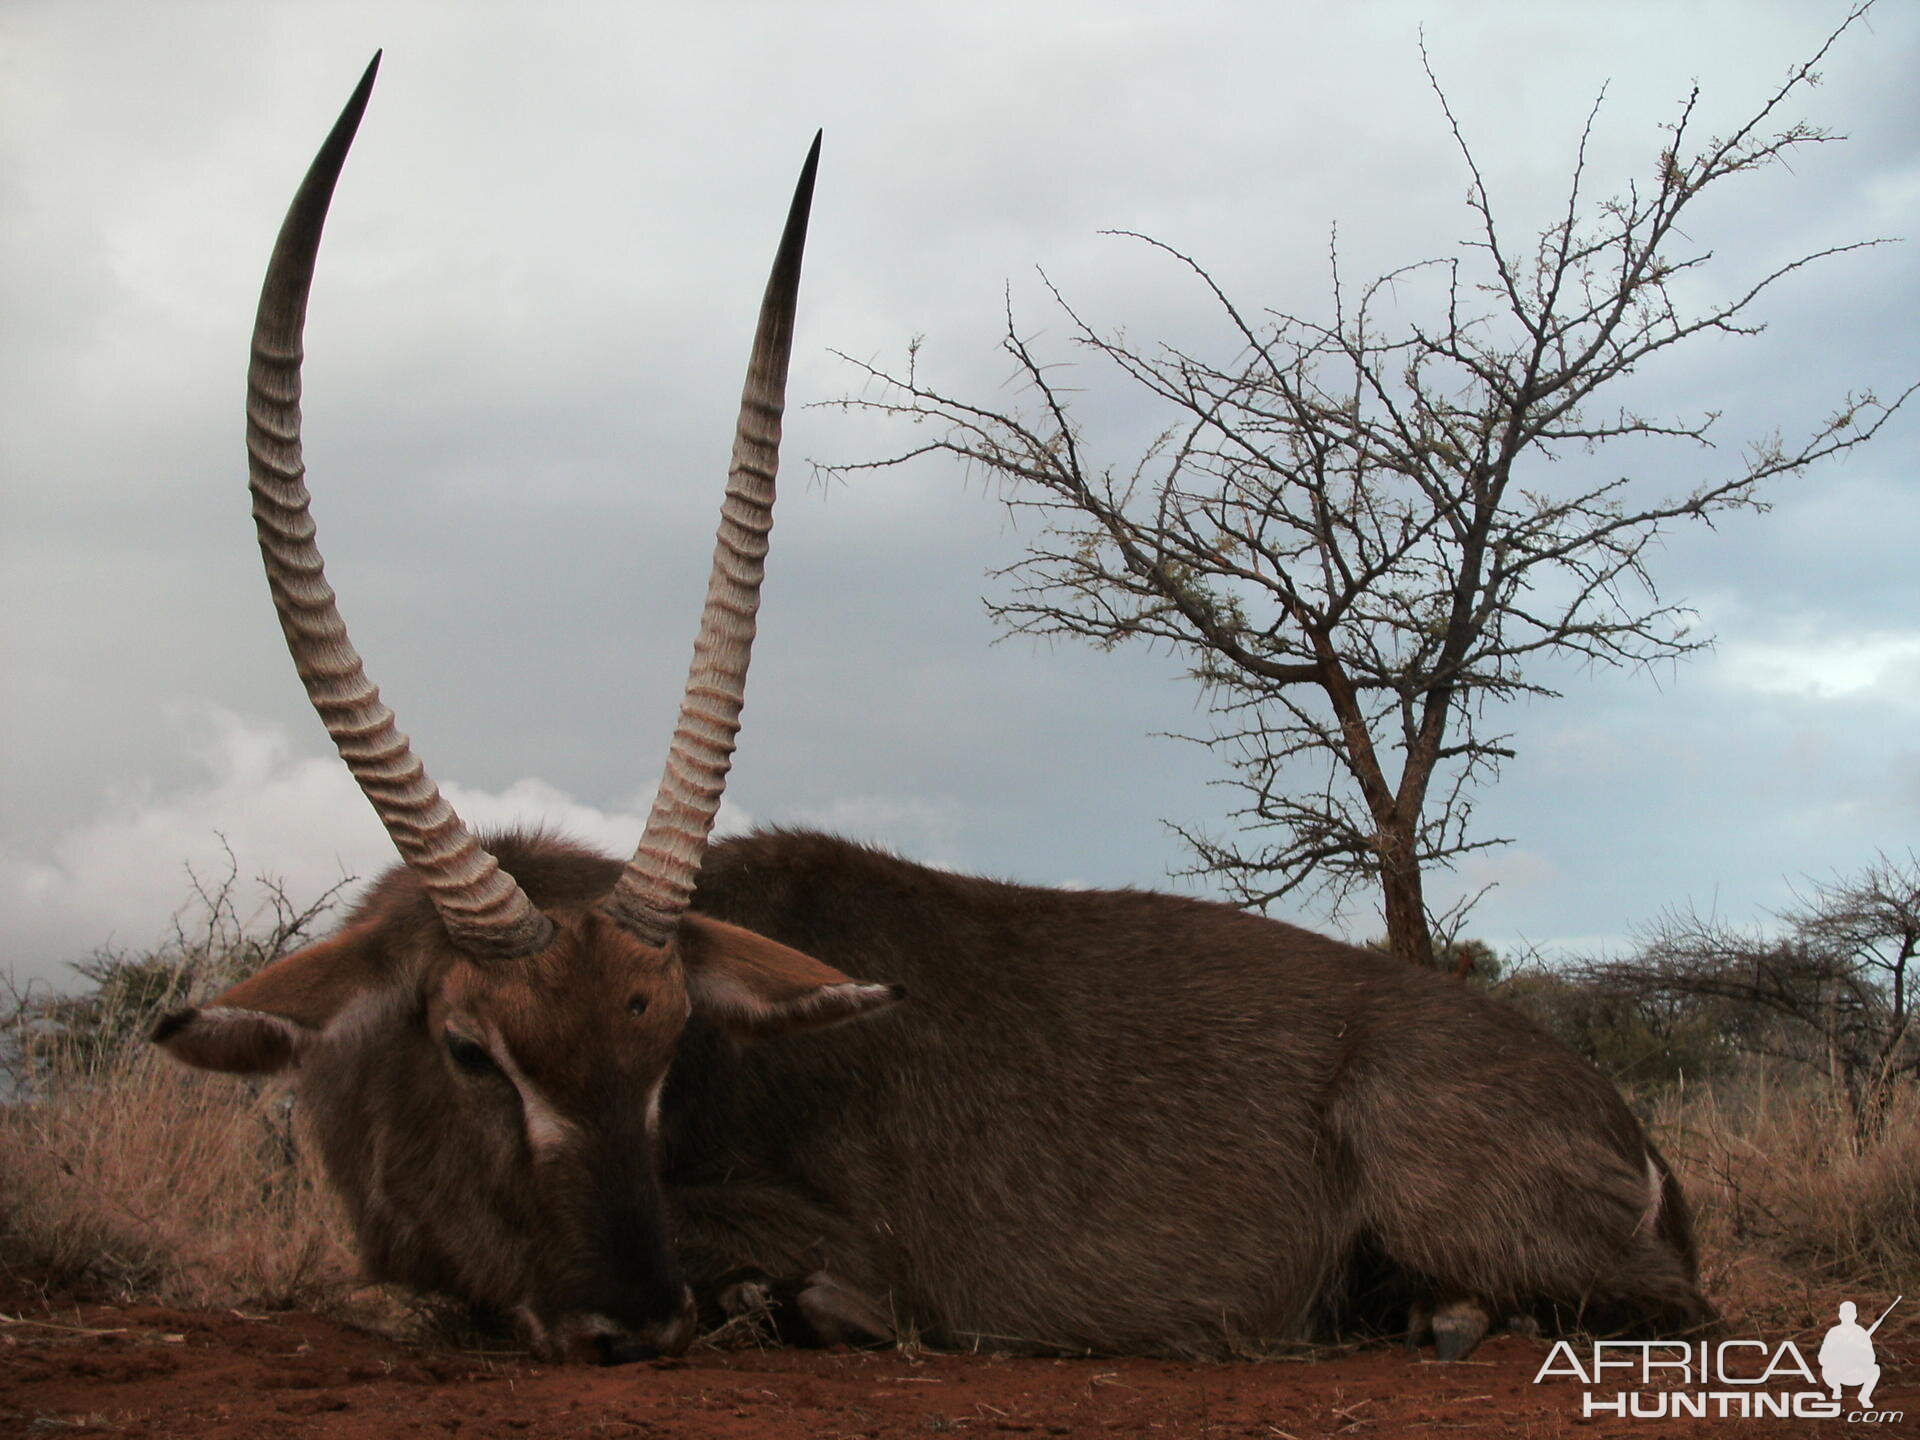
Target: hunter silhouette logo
[[1846, 1355], [1728, 1379]]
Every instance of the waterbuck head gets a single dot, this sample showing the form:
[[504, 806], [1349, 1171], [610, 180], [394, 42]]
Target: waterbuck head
[[481, 1050]]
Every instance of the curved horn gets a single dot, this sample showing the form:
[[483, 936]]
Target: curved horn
[[485, 912], [658, 881]]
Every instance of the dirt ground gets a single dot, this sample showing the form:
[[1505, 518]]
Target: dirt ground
[[142, 1371]]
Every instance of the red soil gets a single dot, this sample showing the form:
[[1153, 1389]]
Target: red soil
[[143, 1371]]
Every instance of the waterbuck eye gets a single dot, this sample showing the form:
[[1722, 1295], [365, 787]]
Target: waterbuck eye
[[637, 1005], [471, 1058]]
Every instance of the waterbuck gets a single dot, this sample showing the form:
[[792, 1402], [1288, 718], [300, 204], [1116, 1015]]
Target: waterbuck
[[615, 1101]]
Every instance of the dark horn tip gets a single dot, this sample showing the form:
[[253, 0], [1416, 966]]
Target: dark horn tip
[[793, 237], [291, 268], [358, 101], [310, 203], [356, 106]]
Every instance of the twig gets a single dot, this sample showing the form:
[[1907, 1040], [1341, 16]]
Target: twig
[[52, 1325]]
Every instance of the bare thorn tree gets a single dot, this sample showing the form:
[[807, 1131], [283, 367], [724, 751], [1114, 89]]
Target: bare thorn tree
[[1348, 529], [1837, 992]]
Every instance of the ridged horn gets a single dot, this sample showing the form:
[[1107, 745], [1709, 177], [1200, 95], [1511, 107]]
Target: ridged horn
[[654, 889], [487, 915]]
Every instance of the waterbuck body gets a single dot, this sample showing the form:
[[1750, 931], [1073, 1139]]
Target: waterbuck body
[[1128, 1121], [1110, 1121], [614, 1099]]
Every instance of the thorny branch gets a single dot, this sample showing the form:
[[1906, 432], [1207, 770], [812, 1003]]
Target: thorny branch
[[1838, 992]]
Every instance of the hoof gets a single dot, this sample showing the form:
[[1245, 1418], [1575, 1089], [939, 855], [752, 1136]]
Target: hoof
[[841, 1315], [1419, 1325], [1458, 1327]]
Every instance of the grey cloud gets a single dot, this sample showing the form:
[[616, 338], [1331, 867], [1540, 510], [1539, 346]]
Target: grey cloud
[[530, 324]]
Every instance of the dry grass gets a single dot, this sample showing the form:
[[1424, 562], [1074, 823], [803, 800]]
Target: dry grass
[[125, 1175], [131, 1176], [1793, 1214]]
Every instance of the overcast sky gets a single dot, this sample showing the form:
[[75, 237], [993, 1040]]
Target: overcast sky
[[526, 344]]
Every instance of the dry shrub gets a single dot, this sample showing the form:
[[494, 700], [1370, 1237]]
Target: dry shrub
[[1791, 1207], [136, 1177], [126, 1175]]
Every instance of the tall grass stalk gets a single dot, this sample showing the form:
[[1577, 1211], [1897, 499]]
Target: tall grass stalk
[[1790, 1206], [132, 1176], [125, 1174]]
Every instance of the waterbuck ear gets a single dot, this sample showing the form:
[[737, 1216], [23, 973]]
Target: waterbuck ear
[[756, 986], [261, 1024]]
